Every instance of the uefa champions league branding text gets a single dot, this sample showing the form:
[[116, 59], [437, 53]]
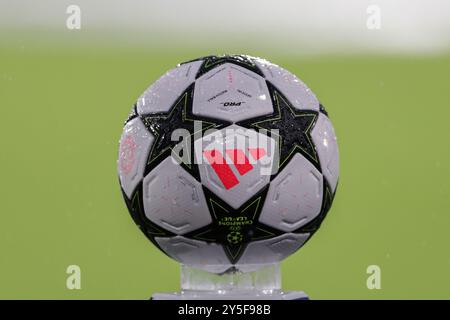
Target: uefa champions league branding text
[[223, 149]]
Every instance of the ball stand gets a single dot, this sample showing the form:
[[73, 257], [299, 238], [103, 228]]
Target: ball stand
[[262, 282]]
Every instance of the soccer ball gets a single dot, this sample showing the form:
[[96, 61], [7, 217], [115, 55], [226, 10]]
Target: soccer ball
[[228, 162]]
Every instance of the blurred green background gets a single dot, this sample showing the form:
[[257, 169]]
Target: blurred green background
[[63, 100]]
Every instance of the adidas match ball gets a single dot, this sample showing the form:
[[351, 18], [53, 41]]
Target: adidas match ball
[[228, 162]]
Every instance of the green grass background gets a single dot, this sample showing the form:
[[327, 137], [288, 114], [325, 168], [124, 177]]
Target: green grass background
[[62, 109]]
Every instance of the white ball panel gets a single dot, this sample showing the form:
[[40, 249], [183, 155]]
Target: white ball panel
[[249, 183], [294, 197], [199, 254], [232, 93], [163, 93], [173, 199], [273, 250], [324, 138], [293, 88], [134, 146]]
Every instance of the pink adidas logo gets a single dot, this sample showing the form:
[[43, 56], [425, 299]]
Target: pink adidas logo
[[238, 158]]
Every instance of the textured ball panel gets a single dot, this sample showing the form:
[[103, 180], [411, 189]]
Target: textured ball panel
[[207, 256], [162, 94], [294, 197], [273, 250], [301, 97], [326, 145], [230, 92], [235, 181], [134, 146], [173, 199]]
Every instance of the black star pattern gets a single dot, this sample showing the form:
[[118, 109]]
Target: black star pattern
[[294, 128], [322, 109], [234, 228], [211, 62], [133, 114], [162, 125]]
